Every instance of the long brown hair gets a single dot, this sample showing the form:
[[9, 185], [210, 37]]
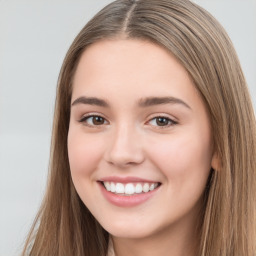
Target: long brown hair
[[64, 226]]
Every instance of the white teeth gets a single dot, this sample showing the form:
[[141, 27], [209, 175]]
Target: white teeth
[[145, 187], [129, 188], [107, 185], [113, 187], [138, 188], [152, 186], [119, 188]]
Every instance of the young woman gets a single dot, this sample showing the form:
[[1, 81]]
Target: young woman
[[153, 140]]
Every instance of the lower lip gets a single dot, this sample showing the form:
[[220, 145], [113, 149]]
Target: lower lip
[[127, 201]]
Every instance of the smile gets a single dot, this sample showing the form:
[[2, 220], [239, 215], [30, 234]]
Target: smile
[[129, 189]]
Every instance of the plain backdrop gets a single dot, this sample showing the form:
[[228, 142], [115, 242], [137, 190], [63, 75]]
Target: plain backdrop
[[34, 37]]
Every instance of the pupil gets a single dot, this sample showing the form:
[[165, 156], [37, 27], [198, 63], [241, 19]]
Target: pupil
[[97, 120], [161, 121]]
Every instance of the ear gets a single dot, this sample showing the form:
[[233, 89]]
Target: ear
[[216, 165]]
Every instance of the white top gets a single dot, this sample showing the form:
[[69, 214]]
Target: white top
[[110, 248]]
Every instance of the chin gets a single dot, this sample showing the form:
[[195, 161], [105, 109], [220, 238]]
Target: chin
[[129, 230], [129, 234]]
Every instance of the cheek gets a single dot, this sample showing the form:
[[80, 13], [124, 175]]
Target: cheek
[[84, 153], [181, 157], [185, 162]]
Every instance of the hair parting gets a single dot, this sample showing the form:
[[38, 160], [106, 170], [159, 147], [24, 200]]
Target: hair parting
[[64, 225]]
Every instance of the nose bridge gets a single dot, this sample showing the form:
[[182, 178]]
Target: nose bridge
[[125, 147]]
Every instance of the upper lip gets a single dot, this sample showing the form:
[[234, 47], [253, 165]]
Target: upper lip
[[126, 179]]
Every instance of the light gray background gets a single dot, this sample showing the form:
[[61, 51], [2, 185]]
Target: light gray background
[[34, 37]]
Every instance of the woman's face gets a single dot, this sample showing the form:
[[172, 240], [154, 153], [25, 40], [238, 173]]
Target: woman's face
[[139, 141]]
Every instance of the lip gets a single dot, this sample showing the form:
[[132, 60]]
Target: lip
[[126, 201], [125, 180]]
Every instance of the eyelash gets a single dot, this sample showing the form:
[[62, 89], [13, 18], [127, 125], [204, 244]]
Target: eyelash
[[169, 121], [85, 119]]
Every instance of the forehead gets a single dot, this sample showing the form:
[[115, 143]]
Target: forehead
[[130, 67], [127, 55]]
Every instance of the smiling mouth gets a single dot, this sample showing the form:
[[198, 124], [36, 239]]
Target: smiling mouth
[[129, 189]]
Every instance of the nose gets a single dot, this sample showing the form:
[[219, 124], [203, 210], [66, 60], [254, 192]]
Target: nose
[[125, 148]]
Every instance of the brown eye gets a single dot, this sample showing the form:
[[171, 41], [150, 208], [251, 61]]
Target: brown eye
[[161, 121], [93, 120], [98, 120]]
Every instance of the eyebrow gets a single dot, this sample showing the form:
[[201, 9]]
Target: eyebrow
[[151, 101], [145, 102], [90, 101]]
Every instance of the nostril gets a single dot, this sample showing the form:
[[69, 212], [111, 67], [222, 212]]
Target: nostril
[[124, 158], [125, 148]]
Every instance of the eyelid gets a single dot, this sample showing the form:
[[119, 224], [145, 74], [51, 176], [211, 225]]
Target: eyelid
[[170, 119], [89, 115]]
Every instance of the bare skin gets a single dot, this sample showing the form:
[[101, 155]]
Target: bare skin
[[136, 113]]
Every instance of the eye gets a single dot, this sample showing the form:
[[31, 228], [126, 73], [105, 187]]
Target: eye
[[93, 120], [162, 121]]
